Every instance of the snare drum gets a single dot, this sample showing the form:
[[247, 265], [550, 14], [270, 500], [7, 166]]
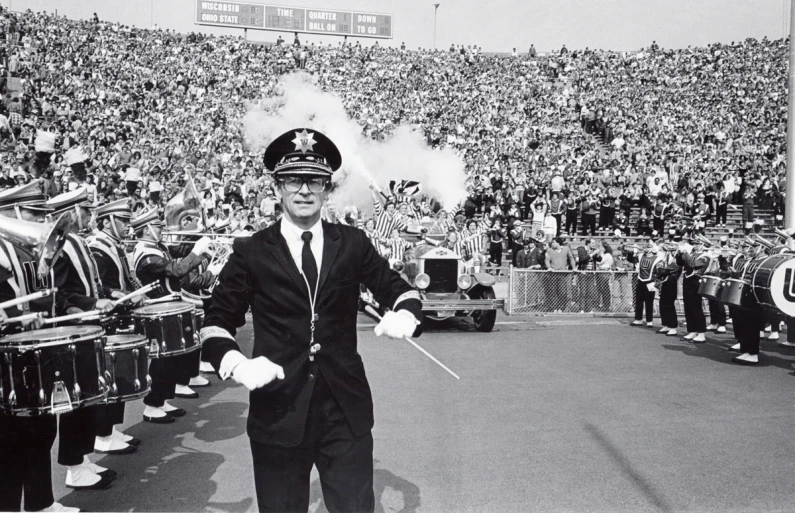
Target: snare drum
[[772, 283], [127, 367], [51, 371], [737, 293], [709, 287], [170, 328]]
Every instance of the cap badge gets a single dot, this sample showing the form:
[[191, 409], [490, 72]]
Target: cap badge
[[304, 141]]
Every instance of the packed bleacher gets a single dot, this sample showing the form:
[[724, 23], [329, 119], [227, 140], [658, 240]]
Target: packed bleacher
[[606, 145]]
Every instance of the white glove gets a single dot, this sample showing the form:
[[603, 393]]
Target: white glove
[[257, 373], [396, 324], [216, 268], [202, 246]]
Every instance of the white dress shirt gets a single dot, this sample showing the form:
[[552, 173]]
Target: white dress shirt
[[292, 236]]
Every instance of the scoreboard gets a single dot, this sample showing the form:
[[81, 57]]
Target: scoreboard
[[293, 19]]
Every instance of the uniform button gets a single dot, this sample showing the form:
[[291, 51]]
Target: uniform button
[[311, 377]]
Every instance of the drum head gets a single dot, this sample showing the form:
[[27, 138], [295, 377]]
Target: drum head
[[177, 307], [48, 335], [123, 340]]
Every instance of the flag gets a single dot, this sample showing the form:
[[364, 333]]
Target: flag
[[404, 188]]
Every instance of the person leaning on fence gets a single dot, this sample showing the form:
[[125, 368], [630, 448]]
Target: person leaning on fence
[[586, 281], [647, 262], [558, 258], [603, 257]]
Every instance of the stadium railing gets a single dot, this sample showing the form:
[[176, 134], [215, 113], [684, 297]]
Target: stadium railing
[[532, 291]]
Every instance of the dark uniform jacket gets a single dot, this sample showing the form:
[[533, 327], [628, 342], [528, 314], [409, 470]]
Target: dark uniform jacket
[[261, 273], [153, 262]]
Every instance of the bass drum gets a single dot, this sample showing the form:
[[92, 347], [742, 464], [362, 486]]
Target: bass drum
[[773, 285]]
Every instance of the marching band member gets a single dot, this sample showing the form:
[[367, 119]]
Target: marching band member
[[668, 278], [720, 266], [310, 399], [748, 324], [25, 442], [647, 261], [113, 221], [694, 262], [77, 278], [151, 262]]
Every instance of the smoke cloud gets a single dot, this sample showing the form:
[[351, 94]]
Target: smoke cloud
[[403, 156]]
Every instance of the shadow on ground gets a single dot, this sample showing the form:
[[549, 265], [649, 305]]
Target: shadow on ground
[[392, 494]]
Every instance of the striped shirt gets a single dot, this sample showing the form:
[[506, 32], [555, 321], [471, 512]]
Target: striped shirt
[[398, 247], [385, 224]]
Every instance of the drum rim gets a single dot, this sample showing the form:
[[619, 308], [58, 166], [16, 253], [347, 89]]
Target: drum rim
[[129, 339], [178, 307], [17, 340]]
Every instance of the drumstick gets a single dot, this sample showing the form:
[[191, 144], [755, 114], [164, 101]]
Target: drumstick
[[29, 297], [164, 299], [136, 293], [71, 317], [26, 317], [370, 310]]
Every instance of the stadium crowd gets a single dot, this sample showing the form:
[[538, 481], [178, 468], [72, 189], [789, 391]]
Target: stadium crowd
[[568, 143]]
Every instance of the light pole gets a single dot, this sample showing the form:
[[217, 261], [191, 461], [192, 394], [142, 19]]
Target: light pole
[[435, 8]]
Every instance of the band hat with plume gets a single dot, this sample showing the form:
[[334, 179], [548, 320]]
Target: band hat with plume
[[61, 202], [45, 142], [75, 155]]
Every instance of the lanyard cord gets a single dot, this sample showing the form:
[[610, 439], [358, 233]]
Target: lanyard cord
[[312, 301]]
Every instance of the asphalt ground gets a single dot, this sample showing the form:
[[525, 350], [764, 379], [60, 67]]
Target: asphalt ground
[[550, 415]]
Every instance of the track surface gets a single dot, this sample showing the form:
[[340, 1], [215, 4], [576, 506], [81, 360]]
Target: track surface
[[555, 415]]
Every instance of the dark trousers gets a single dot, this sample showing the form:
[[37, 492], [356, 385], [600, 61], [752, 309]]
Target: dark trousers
[[558, 220], [164, 374], [658, 224], [571, 222], [25, 467], [188, 367], [717, 313], [643, 298], [344, 462], [589, 223], [603, 291], [721, 214], [495, 253], [76, 432], [668, 291], [790, 322], [747, 325], [748, 216], [109, 415], [586, 290], [694, 308]]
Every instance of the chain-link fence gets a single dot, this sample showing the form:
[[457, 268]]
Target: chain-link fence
[[536, 291]]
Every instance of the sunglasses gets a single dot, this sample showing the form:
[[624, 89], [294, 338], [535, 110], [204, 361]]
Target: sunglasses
[[294, 183]]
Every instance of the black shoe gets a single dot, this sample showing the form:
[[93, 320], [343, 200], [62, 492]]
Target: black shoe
[[135, 442], [127, 450], [194, 395], [159, 420], [102, 484], [110, 474], [179, 412]]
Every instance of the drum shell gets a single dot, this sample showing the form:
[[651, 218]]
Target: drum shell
[[737, 293], [169, 333], [709, 287], [29, 373], [762, 278], [127, 367]]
